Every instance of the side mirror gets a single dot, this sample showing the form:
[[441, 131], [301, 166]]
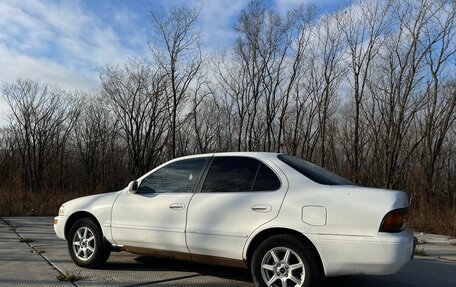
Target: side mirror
[[132, 187]]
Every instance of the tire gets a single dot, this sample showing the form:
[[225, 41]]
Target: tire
[[284, 258], [86, 244]]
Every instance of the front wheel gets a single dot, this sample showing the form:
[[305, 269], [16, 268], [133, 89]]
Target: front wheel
[[283, 260], [86, 244]]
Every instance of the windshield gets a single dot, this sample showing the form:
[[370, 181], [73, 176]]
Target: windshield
[[314, 172]]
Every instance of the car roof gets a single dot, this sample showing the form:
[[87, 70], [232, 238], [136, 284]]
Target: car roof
[[256, 154]]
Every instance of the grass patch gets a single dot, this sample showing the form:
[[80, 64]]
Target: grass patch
[[11, 227], [26, 239], [38, 251], [69, 277], [452, 241], [420, 252], [422, 241]]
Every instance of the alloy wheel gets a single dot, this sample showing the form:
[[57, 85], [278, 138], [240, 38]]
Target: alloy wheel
[[283, 267], [84, 243]]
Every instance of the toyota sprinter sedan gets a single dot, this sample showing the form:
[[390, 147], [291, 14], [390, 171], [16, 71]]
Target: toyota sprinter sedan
[[291, 222]]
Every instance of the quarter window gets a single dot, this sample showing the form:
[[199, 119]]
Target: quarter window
[[179, 176], [239, 174], [266, 179]]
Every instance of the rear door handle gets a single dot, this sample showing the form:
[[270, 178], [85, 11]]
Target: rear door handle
[[261, 208], [177, 206]]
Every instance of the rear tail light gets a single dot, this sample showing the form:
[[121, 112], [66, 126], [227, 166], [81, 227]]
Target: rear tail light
[[395, 220]]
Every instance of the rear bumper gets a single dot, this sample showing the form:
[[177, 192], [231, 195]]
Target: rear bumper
[[383, 254]]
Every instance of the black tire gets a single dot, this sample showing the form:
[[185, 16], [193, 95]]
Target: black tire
[[88, 252], [309, 275]]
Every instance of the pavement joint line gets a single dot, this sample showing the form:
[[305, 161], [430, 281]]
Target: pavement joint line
[[14, 229], [447, 259], [162, 281]]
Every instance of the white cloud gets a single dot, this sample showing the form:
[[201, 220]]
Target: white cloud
[[124, 17], [14, 65], [61, 42], [283, 6], [286, 5], [17, 65], [65, 31], [65, 42], [217, 19]]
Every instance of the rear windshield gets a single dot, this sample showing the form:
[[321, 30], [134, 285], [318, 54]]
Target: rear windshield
[[314, 172]]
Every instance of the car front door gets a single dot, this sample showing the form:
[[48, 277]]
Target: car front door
[[155, 216], [238, 195]]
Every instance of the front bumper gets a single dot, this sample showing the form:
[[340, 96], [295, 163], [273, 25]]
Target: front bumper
[[59, 226], [383, 254]]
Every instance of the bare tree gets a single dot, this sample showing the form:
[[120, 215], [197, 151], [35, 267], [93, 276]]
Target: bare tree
[[299, 36], [261, 71], [41, 120], [327, 71], [96, 141], [203, 117], [440, 111], [176, 49], [396, 90], [367, 91], [136, 95], [231, 77], [364, 27], [448, 180], [8, 159]]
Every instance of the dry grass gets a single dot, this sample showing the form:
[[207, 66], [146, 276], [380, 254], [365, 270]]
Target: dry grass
[[420, 252], [433, 219], [26, 239], [20, 203], [423, 217], [69, 277]]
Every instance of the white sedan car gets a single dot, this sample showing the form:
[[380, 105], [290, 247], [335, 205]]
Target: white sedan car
[[291, 222]]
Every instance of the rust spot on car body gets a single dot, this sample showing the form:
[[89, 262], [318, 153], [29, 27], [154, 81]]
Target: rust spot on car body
[[205, 259]]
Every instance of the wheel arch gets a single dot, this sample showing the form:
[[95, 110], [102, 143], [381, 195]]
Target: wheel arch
[[78, 215], [266, 233]]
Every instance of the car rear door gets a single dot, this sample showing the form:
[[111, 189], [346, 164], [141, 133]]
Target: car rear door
[[238, 195], [155, 216]]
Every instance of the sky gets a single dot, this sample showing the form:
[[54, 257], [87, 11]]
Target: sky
[[66, 42]]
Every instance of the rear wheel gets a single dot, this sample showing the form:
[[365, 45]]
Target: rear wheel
[[283, 260], [87, 245]]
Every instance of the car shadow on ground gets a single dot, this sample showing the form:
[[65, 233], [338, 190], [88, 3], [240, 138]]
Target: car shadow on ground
[[408, 276], [149, 263]]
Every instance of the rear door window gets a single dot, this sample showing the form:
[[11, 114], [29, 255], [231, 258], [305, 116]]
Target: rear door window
[[239, 174]]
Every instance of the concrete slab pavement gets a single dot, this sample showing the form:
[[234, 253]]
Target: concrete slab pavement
[[21, 265], [437, 246], [122, 269]]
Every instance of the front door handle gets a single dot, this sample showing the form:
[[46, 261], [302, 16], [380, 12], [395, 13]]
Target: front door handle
[[261, 207], [177, 206]]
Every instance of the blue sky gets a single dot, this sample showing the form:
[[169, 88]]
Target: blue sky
[[66, 42]]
